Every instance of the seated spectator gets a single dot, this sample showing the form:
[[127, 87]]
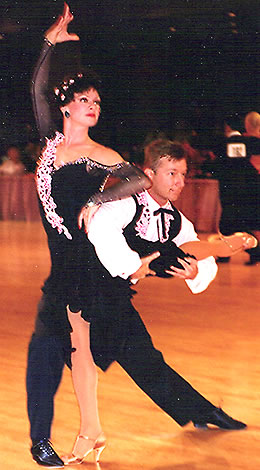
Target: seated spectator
[[12, 164]]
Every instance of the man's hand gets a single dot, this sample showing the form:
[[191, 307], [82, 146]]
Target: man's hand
[[58, 32], [189, 271], [144, 270]]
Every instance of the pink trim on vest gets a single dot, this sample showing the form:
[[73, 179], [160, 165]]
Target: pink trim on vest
[[143, 223]]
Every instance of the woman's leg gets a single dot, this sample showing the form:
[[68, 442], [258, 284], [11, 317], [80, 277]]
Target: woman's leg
[[84, 376], [220, 245]]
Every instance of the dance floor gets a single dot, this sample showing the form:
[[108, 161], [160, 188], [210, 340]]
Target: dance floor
[[212, 339]]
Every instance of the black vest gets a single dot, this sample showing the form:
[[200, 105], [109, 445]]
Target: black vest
[[168, 249]]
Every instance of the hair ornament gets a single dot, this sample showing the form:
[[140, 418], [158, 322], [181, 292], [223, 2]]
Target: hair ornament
[[65, 86], [64, 92]]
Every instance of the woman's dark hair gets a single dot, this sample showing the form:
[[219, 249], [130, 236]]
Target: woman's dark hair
[[81, 81]]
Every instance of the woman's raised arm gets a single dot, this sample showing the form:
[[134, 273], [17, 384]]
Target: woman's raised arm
[[57, 33]]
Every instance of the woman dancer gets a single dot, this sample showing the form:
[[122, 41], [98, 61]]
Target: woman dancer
[[71, 175]]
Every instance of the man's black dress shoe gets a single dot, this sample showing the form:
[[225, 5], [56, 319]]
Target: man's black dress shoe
[[219, 418], [44, 454]]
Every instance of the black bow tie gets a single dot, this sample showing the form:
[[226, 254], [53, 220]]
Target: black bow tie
[[163, 211]]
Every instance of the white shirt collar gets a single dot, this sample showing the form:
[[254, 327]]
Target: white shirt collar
[[153, 205]]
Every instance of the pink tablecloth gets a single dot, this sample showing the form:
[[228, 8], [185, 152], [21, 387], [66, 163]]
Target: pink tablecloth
[[18, 198], [199, 201]]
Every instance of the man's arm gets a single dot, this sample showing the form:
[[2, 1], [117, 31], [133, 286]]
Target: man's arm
[[106, 234]]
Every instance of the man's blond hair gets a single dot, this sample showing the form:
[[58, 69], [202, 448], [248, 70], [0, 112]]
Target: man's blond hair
[[162, 148]]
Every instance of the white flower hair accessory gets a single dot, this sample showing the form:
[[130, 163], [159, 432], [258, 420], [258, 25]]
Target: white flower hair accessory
[[64, 86]]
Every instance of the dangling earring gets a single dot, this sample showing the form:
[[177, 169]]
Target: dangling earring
[[67, 114]]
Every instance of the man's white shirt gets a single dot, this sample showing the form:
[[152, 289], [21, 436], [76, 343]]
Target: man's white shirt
[[112, 249]]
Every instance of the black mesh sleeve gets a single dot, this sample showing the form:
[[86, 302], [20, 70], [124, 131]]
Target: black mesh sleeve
[[132, 181], [39, 87], [53, 64]]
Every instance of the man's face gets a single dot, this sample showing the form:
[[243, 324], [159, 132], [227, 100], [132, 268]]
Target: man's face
[[168, 180]]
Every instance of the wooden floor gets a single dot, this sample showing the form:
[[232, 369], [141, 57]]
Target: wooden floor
[[212, 339]]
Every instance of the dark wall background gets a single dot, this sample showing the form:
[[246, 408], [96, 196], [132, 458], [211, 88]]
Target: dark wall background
[[161, 62]]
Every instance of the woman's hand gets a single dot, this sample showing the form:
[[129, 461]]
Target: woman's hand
[[58, 32], [86, 215]]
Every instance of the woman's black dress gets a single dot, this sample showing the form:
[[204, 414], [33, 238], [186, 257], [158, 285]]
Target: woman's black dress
[[62, 192]]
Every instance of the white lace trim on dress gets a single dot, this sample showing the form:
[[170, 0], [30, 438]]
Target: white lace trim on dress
[[43, 182]]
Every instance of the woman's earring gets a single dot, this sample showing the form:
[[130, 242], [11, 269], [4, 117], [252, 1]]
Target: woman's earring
[[67, 114]]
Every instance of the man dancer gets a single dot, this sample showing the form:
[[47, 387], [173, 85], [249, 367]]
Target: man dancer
[[124, 234]]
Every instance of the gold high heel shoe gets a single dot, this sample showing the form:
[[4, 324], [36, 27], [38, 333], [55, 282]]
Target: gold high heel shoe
[[76, 457], [220, 245]]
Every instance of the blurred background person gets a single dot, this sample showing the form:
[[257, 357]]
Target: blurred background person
[[252, 134], [238, 181], [252, 124], [12, 162], [232, 126]]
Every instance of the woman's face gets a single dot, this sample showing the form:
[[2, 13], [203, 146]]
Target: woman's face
[[85, 108]]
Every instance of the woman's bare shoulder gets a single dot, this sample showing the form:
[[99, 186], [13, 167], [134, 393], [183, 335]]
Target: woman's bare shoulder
[[105, 155]]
